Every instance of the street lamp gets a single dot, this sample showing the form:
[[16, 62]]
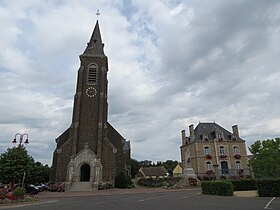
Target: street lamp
[[21, 137]]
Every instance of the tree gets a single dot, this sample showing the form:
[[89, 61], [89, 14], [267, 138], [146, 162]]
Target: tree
[[135, 166], [266, 158], [16, 161], [169, 165], [41, 173]]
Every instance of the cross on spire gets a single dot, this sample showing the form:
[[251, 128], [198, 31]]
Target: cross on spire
[[97, 14]]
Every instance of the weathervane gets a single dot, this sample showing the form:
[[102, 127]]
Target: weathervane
[[97, 14]]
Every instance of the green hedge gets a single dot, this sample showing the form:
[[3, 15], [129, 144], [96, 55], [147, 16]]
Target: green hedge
[[269, 188], [217, 188], [243, 185]]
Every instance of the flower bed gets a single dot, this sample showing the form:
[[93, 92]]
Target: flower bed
[[17, 196]]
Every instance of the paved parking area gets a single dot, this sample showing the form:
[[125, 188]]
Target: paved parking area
[[190, 199]]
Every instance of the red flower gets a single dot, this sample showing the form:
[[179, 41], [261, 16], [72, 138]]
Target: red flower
[[208, 156], [237, 156], [208, 172], [223, 156]]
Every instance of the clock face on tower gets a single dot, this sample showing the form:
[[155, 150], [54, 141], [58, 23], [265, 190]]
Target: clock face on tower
[[91, 92]]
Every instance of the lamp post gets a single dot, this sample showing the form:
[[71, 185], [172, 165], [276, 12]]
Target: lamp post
[[21, 137], [20, 144]]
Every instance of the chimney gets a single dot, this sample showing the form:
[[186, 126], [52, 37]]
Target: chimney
[[183, 132], [235, 131], [191, 132]]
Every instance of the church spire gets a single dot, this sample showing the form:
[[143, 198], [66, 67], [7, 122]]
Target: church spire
[[95, 45]]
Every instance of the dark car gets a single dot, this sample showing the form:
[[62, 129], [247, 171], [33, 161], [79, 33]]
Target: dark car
[[30, 188]]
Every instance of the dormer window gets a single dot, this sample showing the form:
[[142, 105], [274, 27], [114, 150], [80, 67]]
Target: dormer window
[[220, 137], [92, 74]]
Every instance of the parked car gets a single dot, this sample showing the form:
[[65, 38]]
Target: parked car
[[32, 189], [41, 187]]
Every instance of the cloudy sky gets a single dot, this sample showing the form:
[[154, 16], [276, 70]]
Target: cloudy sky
[[172, 63]]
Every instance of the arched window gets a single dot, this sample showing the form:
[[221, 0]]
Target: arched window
[[207, 150], [238, 165], [236, 150], [222, 150], [92, 74], [208, 166]]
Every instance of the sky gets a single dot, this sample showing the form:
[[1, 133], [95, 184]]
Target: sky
[[172, 63]]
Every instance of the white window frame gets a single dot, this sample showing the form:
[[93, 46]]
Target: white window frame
[[236, 150], [238, 165], [208, 165], [222, 150], [207, 150]]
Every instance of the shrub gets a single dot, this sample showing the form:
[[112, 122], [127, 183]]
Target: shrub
[[19, 191], [269, 188], [217, 188], [121, 181], [244, 184], [159, 182]]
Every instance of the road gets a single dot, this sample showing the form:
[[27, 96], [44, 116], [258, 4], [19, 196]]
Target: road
[[171, 200]]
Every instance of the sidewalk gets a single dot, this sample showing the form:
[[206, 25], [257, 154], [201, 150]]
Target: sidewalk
[[246, 194], [137, 190]]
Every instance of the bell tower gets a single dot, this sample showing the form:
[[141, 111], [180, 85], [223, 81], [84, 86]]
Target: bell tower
[[90, 151], [90, 103]]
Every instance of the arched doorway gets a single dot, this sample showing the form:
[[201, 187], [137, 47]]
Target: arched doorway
[[224, 167], [85, 173]]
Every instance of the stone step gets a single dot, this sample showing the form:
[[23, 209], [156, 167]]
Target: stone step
[[82, 186]]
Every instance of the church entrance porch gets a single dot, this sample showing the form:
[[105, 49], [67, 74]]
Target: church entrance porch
[[85, 173]]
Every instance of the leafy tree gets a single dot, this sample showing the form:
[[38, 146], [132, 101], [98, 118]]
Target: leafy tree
[[169, 165], [16, 161], [41, 173], [266, 158], [146, 163], [13, 163], [135, 166]]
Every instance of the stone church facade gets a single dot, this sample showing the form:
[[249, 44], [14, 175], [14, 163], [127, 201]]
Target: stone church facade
[[212, 151], [90, 151]]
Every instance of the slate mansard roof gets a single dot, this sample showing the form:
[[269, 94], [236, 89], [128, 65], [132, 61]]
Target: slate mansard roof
[[211, 131]]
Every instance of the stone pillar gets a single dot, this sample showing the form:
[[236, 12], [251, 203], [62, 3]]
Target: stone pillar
[[191, 129], [235, 131], [183, 132]]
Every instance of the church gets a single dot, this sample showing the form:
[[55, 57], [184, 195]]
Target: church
[[90, 151]]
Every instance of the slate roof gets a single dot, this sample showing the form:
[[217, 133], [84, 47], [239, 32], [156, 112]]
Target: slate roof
[[211, 130], [154, 171]]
